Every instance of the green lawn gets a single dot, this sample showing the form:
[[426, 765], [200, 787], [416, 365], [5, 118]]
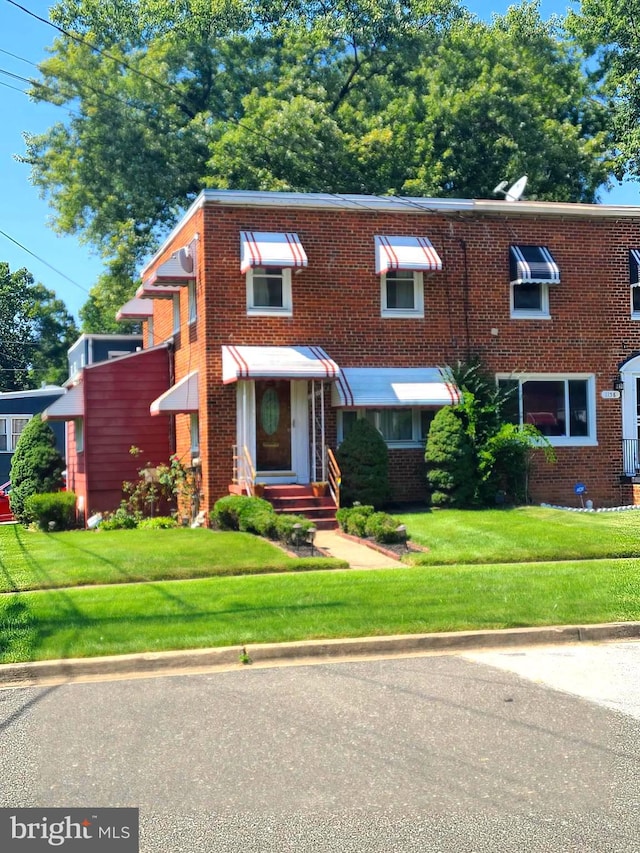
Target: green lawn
[[125, 616], [524, 534], [33, 560]]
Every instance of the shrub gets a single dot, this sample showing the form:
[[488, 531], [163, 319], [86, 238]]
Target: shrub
[[121, 519], [384, 528], [234, 512], [51, 510], [36, 466], [158, 522], [264, 523], [364, 460], [285, 526], [451, 460]]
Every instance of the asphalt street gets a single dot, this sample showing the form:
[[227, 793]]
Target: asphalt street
[[433, 753]]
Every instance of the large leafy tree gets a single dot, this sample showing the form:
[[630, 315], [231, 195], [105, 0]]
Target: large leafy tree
[[374, 96], [609, 32], [37, 331]]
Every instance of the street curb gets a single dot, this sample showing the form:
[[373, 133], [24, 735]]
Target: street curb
[[155, 663]]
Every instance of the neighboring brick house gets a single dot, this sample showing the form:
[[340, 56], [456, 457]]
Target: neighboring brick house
[[290, 315]]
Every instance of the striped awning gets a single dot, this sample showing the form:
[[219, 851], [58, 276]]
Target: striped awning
[[634, 267], [135, 309], [178, 271], [276, 363], [67, 407], [180, 398], [392, 387], [271, 249], [155, 291], [532, 265], [405, 253]]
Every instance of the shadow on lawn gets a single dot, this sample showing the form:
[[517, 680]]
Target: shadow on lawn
[[65, 542]]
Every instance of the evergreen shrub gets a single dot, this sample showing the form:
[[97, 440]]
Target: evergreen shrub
[[51, 510], [36, 466], [364, 461], [452, 469]]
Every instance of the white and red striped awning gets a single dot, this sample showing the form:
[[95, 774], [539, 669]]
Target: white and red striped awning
[[135, 309], [156, 291], [271, 249], [239, 362], [406, 253], [393, 387], [180, 398], [178, 271]]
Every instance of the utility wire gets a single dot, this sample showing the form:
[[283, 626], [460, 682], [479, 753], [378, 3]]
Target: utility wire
[[42, 261]]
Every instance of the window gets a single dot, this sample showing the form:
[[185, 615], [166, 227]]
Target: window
[[193, 306], [10, 428], [562, 408], [194, 429], [78, 433], [530, 301], [403, 427], [402, 294], [269, 291], [176, 313]]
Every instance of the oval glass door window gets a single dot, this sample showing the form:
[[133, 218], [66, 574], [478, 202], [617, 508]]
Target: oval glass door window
[[270, 411]]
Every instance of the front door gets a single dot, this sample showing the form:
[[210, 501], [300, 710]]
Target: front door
[[273, 425]]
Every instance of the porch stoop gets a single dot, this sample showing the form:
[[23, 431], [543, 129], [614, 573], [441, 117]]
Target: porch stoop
[[300, 500]]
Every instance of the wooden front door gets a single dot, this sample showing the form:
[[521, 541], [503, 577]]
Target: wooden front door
[[273, 425]]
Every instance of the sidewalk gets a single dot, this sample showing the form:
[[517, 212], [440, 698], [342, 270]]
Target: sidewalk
[[358, 556]]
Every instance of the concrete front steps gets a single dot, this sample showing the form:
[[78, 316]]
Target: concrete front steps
[[300, 500]]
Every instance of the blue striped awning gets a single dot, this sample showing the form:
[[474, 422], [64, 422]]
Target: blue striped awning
[[533, 265], [634, 267]]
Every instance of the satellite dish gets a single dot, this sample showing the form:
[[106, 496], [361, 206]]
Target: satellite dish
[[515, 190], [185, 259]]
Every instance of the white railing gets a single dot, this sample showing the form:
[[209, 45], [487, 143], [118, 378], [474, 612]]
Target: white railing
[[244, 472]]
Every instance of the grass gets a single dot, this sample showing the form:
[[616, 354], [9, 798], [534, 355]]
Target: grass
[[488, 592], [274, 608], [524, 534], [32, 560]]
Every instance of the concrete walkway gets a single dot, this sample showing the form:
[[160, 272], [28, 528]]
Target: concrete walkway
[[358, 556]]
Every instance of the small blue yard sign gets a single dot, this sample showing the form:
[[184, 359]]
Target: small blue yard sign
[[579, 488]]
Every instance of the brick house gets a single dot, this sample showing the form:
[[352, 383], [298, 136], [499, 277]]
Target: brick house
[[290, 315]]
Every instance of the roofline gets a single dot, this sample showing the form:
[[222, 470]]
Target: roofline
[[47, 391], [393, 204]]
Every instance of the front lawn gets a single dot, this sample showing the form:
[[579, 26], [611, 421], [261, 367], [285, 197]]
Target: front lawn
[[275, 608], [34, 560], [523, 534]]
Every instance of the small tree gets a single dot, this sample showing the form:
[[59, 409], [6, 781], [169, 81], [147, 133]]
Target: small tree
[[505, 462], [364, 460], [36, 466], [451, 460]]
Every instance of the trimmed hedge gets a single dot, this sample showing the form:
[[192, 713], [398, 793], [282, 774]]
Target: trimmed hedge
[[364, 522], [51, 510], [255, 515]]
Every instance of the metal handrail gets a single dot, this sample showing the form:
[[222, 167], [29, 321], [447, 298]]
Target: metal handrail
[[630, 457], [334, 475], [244, 472]]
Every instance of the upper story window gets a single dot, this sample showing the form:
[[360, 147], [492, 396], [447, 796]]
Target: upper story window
[[269, 291], [561, 407], [634, 281], [401, 263], [10, 428], [267, 259], [175, 300], [532, 269], [192, 302]]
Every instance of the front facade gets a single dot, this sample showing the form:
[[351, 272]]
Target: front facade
[[291, 315]]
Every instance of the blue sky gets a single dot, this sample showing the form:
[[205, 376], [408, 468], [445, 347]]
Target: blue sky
[[24, 215]]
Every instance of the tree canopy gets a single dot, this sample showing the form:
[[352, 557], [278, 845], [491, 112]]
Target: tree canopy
[[37, 331], [367, 96]]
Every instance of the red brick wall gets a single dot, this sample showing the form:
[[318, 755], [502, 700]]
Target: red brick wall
[[336, 305]]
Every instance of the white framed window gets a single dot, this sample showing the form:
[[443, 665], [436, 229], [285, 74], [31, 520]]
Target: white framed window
[[402, 427], [269, 291], [530, 301], [635, 302], [402, 294], [10, 428], [78, 434], [561, 406], [176, 313], [194, 430], [192, 303]]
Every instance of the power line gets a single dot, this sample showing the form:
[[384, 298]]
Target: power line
[[42, 261]]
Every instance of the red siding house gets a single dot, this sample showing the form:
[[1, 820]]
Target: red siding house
[[107, 411], [291, 315]]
